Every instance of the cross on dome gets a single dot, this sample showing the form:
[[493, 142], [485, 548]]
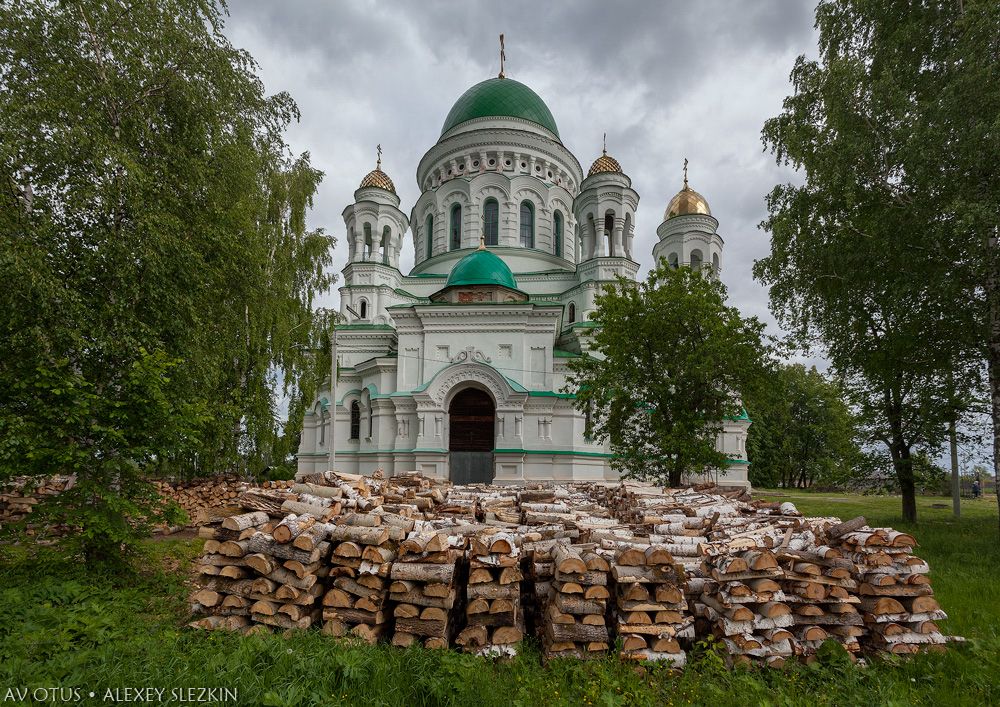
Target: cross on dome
[[605, 163], [377, 178], [502, 57]]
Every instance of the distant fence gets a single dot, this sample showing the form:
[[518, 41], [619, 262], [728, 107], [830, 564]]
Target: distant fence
[[988, 486]]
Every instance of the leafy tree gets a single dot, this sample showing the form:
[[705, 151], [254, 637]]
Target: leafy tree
[[860, 260], [669, 359], [802, 432], [158, 272], [961, 137]]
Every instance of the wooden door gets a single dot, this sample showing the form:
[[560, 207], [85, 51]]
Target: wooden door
[[471, 437]]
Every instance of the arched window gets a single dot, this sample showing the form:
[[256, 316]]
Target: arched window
[[715, 264], [456, 227], [696, 260], [386, 239], [429, 245], [557, 227], [609, 229], [367, 252], [371, 419], [527, 224], [572, 312], [355, 420], [672, 260], [363, 309], [322, 428], [491, 222]]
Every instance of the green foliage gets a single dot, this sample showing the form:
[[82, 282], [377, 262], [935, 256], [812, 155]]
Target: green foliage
[[669, 361], [802, 432], [158, 272], [61, 624], [866, 261]]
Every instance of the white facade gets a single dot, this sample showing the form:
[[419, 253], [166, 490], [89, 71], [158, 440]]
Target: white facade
[[409, 344]]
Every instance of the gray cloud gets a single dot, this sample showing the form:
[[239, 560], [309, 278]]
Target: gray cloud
[[666, 80]]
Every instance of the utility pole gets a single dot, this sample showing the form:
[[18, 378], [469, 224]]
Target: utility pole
[[956, 488]]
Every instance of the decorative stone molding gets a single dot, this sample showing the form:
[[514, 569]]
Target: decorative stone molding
[[472, 355], [457, 376]]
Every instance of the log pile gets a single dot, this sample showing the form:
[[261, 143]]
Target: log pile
[[427, 578], [411, 560], [254, 574], [278, 484], [494, 619], [650, 608], [818, 587], [20, 495], [896, 598], [744, 605], [575, 617], [363, 552], [200, 497]]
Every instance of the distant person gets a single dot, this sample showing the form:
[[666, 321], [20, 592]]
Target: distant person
[[976, 488]]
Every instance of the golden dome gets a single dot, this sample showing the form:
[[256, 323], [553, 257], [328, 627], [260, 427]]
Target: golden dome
[[378, 178], [687, 201], [605, 163]]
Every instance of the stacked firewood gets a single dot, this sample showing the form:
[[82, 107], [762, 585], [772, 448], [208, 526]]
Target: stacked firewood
[[199, 497], [818, 587], [427, 581], [575, 621], [19, 496], [501, 505], [414, 491], [580, 565], [494, 618], [900, 612], [364, 547], [650, 609], [743, 605], [260, 571], [278, 484]]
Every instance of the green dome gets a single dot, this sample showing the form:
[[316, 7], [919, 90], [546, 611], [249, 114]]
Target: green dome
[[502, 98], [481, 267]]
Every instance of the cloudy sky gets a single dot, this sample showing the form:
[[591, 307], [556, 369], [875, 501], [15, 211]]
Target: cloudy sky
[[665, 80]]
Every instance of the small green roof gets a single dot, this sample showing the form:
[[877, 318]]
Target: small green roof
[[481, 267], [500, 98]]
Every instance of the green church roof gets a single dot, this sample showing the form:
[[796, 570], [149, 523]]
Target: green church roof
[[503, 98], [481, 267]]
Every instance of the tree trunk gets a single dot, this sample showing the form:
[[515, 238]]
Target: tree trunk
[[676, 471], [992, 287], [899, 450], [903, 465]]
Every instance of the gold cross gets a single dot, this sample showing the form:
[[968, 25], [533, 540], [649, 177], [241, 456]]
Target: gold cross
[[685, 172], [605, 150], [502, 57], [378, 162]]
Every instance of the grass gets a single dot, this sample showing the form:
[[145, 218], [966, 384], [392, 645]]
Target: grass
[[62, 625]]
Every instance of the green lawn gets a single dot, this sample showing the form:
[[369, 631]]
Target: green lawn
[[62, 626]]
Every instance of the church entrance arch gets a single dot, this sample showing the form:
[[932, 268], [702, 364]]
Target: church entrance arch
[[471, 436]]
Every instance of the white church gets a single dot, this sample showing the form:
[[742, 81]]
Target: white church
[[457, 369]]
